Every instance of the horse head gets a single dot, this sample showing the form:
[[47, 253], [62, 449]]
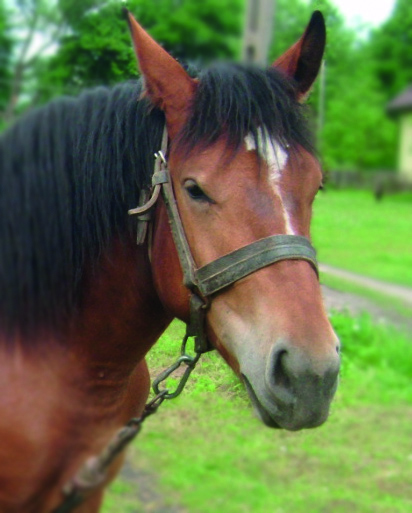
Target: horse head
[[242, 170]]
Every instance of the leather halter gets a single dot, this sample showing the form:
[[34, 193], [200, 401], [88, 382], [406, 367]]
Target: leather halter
[[206, 281]]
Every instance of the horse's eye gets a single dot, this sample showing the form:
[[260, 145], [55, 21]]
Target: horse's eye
[[195, 192]]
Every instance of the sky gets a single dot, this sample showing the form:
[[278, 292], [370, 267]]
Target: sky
[[370, 12]]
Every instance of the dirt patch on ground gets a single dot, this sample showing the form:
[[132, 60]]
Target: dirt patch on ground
[[353, 304], [391, 290], [148, 492]]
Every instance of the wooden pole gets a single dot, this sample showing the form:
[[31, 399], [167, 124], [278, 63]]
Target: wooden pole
[[258, 31]]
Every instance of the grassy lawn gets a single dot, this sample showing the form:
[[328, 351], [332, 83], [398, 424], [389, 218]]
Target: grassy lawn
[[210, 454], [353, 231]]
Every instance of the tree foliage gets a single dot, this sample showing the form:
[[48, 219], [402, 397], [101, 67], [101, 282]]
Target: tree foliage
[[92, 42], [91, 46], [356, 132], [391, 46], [97, 48], [348, 113], [6, 45]]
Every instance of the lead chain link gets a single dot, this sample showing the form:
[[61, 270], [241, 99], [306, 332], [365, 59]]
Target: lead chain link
[[185, 359]]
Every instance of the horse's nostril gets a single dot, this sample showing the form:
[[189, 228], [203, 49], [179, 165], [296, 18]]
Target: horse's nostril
[[281, 378], [292, 373]]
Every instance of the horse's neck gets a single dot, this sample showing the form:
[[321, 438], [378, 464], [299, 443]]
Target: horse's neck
[[121, 315], [62, 402], [118, 319]]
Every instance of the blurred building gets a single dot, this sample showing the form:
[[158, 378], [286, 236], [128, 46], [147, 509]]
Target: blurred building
[[401, 107]]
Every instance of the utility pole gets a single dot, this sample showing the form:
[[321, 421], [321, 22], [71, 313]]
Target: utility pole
[[258, 31]]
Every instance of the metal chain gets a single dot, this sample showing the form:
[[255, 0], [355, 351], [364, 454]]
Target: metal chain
[[93, 472], [186, 359]]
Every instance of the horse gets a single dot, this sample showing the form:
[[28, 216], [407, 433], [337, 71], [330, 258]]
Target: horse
[[82, 303]]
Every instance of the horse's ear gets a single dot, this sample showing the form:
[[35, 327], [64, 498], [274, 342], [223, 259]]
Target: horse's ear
[[302, 61], [166, 83]]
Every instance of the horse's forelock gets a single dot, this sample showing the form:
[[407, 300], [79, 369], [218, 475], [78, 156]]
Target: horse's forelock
[[234, 101]]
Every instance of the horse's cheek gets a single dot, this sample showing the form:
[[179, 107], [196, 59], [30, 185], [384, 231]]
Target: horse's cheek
[[167, 272]]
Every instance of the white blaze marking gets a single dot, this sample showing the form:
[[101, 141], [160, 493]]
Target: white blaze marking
[[276, 159]]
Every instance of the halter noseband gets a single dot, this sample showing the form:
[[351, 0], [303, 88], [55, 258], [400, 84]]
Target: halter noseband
[[205, 281]]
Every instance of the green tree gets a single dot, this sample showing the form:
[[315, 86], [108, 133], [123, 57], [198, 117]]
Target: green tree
[[97, 48], [347, 104], [92, 46], [91, 42], [193, 30], [291, 17], [6, 45], [391, 47], [34, 25], [355, 133]]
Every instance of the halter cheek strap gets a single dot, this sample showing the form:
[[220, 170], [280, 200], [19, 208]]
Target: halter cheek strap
[[212, 278]]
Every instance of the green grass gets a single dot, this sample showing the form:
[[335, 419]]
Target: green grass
[[121, 498], [353, 231], [210, 454]]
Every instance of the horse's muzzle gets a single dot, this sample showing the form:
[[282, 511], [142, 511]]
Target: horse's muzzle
[[296, 390]]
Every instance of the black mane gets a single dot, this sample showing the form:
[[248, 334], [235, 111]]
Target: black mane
[[71, 170]]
